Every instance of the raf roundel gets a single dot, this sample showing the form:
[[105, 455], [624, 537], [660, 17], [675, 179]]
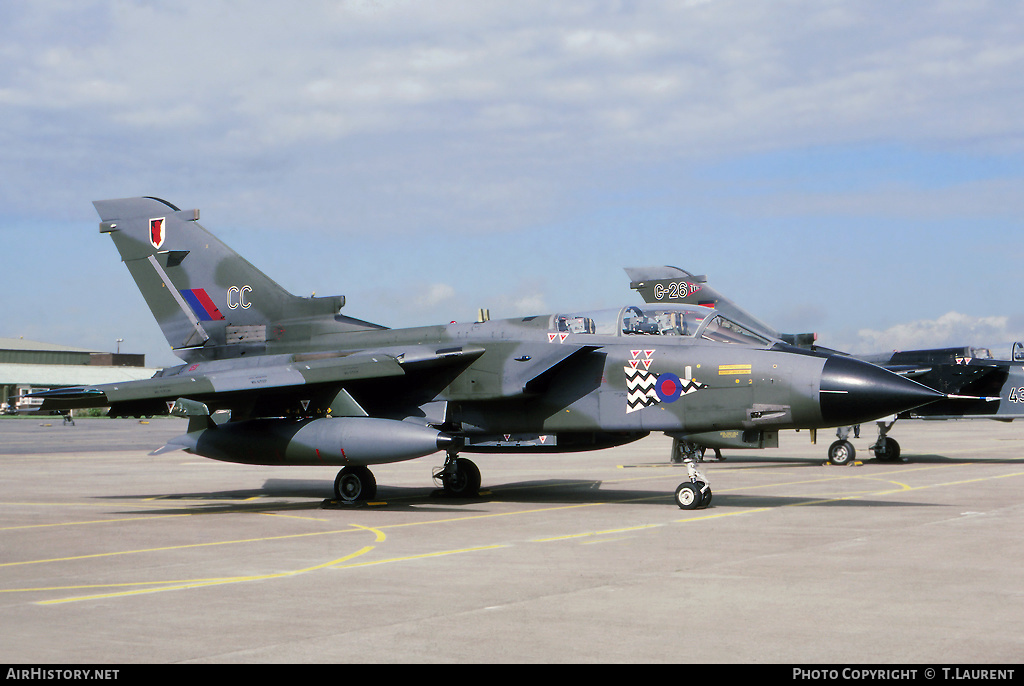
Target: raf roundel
[[668, 387]]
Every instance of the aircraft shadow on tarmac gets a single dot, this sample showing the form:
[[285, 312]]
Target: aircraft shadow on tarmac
[[945, 459], [910, 459], [309, 495]]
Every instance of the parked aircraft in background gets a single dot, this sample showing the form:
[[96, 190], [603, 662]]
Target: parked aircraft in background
[[977, 384]]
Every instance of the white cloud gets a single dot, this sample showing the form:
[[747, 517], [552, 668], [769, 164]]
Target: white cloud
[[969, 200], [434, 295], [653, 77], [521, 304], [950, 330], [450, 119]]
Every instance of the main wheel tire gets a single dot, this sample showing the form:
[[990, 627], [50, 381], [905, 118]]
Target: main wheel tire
[[841, 452], [892, 450], [688, 496], [466, 480], [354, 484]]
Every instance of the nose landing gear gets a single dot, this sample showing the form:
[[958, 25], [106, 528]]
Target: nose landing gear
[[695, 493]]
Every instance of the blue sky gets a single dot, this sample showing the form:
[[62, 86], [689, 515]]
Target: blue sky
[[850, 168]]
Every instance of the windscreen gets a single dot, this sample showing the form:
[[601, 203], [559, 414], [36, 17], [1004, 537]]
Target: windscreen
[[726, 331]]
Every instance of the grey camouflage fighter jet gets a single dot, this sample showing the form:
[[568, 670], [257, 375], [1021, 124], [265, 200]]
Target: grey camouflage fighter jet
[[307, 385]]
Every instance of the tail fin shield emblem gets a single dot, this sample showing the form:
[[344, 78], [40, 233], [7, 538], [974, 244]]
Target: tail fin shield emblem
[[156, 231]]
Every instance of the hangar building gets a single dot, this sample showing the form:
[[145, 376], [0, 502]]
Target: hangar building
[[32, 365]]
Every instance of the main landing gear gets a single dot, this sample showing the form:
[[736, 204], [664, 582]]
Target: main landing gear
[[886, 449], [695, 493], [459, 478], [354, 484]]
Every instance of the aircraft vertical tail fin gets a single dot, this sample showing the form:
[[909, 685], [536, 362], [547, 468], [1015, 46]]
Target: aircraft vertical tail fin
[[204, 295], [669, 284]]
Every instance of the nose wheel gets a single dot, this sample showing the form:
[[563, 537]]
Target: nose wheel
[[693, 494], [841, 452]]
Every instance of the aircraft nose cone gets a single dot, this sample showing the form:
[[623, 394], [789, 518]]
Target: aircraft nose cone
[[853, 392]]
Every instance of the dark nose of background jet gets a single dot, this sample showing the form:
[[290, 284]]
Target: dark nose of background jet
[[853, 392]]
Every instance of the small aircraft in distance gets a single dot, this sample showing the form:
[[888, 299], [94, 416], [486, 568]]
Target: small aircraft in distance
[[307, 385], [976, 384]]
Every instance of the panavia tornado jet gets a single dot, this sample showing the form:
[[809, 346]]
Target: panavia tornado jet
[[976, 383], [307, 385]]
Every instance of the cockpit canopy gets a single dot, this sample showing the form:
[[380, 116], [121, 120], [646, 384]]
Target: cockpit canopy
[[661, 320]]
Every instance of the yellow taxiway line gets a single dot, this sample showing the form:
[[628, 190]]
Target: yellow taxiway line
[[346, 562]]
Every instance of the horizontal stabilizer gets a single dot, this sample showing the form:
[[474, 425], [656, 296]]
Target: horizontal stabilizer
[[75, 397], [185, 390], [71, 393]]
